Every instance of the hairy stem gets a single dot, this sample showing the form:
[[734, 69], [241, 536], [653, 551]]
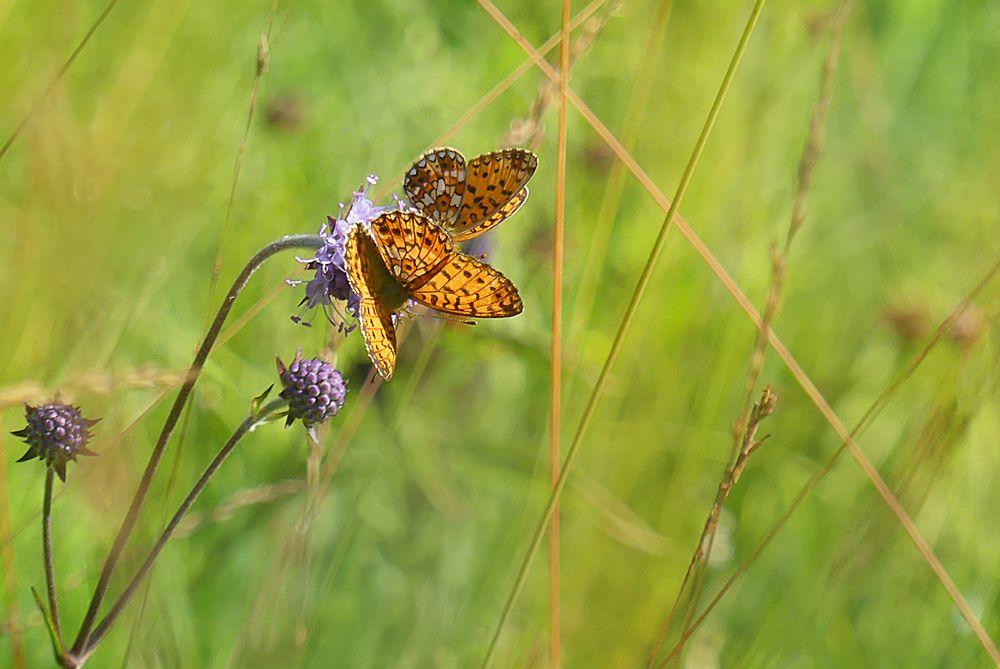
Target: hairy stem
[[245, 427], [50, 574], [283, 244]]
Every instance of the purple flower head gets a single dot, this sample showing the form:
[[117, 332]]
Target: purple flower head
[[479, 247], [56, 433], [315, 390], [330, 281]]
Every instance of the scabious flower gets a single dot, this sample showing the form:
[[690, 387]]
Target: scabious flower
[[315, 390], [330, 281], [56, 433]]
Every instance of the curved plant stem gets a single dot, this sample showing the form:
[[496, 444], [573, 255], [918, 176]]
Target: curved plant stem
[[627, 319], [283, 244], [50, 574], [267, 412]]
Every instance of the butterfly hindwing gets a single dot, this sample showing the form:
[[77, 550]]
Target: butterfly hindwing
[[495, 219], [412, 247], [465, 286]]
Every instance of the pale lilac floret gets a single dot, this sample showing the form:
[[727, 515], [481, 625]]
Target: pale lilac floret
[[330, 282]]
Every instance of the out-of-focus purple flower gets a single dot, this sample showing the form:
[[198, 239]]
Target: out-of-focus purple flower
[[330, 281], [315, 390], [56, 433], [479, 247]]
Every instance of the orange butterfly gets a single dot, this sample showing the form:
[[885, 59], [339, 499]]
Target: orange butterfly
[[408, 257], [468, 200]]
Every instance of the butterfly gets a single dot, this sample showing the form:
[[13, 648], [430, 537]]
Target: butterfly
[[406, 256], [468, 200]]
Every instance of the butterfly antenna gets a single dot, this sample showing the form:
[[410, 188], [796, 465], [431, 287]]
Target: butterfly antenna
[[444, 317]]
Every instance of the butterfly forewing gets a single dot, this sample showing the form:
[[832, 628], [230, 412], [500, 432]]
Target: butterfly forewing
[[367, 276], [468, 200], [435, 184]]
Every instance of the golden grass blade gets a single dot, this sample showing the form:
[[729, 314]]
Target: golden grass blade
[[555, 430], [593, 265], [629, 312], [789, 360]]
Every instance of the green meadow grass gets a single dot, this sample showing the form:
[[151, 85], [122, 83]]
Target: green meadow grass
[[112, 208]]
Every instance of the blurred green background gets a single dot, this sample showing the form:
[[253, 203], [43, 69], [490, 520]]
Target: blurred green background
[[112, 204]]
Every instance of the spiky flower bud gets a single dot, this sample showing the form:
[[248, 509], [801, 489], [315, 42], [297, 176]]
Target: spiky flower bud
[[315, 390], [56, 433]]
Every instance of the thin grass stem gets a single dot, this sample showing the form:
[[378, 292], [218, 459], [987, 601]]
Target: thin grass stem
[[779, 262], [36, 105], [593, 266], [283, 244], [501, 87], [734, 470], [136, 624], [263, 60], [267, 412], [866, 419], [623, 329], [797, 372], [168, 489], [558, 252]]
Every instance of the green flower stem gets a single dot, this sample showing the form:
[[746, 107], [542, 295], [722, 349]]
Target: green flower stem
[[268, 412], [50, 576], [128, 524]]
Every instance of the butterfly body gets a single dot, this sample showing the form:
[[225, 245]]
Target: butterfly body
[[406, 256]]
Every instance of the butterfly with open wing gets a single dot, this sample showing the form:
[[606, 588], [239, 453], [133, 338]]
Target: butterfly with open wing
[[406, 256], [469, 199]]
